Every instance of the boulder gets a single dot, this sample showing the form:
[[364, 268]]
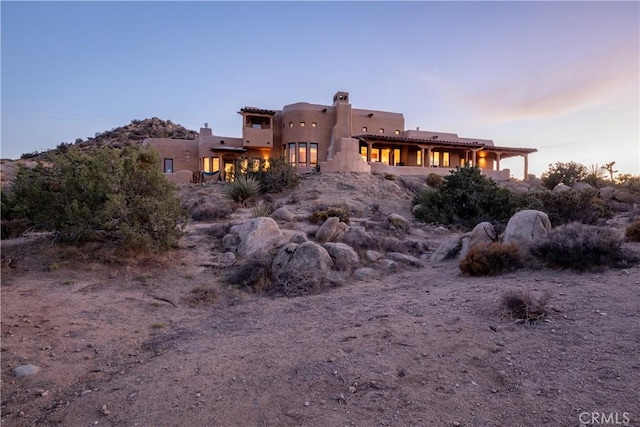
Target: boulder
[[25, 370], [253, 237], [330, 230], [398, 222], [343, 256], [372, 256], [582, 186], [448, 249], [282, 214], [404, 259], [561, 188], [298, 237], [606, 193], [387, 265], [357, 237], [481, 233], [526, 226], [364, 273], [303, 268]]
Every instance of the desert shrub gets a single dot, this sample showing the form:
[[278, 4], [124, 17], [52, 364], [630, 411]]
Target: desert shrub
[[242, 189], [390, 177], [434, 180], [465, 198], [491, 259], [632, 232], [255, 275], [100, 195], [566, 173], [261, 210], [320, 215], [583, 247], [210, 210], [523, 305], [294, 284], [568, 206], [628, 181], [274, 175], [202, 295]]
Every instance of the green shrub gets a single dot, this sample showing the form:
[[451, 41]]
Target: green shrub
[[279, 176], [632, 232], [319, 216], [243, 189], [434, 180], [583, 247], [565, 173], [491, 259], [568, 206], [100, 195], [465, 198]]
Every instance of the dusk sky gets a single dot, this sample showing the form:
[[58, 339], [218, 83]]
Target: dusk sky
[[562, 77]]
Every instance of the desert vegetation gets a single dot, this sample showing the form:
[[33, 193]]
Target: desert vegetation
[[118, 197]]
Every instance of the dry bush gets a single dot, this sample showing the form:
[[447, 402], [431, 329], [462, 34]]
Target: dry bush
[[202, 295], [523, 305], [321, 214], [210, 211], [583, 247], [434, 180], [491, 259], [632, 232], [294, 284], [254, 274]]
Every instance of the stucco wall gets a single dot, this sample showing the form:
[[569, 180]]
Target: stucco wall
[[185, 153]]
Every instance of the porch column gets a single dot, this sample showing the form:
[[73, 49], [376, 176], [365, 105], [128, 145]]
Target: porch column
[[498, 155], [369, 148], [428, 158], [526, 166], [422, 156]]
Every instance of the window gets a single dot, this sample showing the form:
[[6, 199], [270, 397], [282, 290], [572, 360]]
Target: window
[[302, 124], [363, 152], [385, 156], [290, 124], [168, 165], [381, 130], [364, 128], [215, 163], [375, 154], [292, 153], [206, 164], [419, 158], [445, 159], [435, 159], [256, 125], [314, 125], [302, 153], [396, 157], [397, 132], [313, 154], [255, 165]]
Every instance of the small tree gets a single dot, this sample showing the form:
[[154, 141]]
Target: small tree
[[101, 194], [565, 173], [465, 198]]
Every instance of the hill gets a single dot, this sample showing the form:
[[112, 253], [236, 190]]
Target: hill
[[133, 133]]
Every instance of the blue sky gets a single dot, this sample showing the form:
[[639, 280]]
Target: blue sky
[[562, 77]]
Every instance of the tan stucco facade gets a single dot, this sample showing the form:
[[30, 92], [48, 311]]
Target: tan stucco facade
[[335, 138]]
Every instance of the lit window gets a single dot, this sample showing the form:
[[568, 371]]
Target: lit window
[[364, 128], [363, 152], [206, 164], [314, 125], [292, 153], [215, 161], [168, 165], [302, 154], [381, 130], [419, 158], [445, 159], [397, 132], [396, 157], [302, 124], [313, 154], [290, 124]]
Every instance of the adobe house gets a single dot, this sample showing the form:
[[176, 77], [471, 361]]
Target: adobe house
[[336, 138]]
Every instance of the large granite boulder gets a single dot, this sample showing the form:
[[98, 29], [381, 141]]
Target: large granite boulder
[[526, 226], [300, 269], [330, 230], [253, 237], [483, 233], [343, 256]]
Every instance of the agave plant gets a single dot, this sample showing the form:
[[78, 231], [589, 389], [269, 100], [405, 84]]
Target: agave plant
[[243, 189], [261, 209]]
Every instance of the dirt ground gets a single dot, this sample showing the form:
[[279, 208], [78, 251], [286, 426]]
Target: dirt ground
[[164, 342]]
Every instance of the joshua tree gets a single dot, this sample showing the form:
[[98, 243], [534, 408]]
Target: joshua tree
[[609, 168]]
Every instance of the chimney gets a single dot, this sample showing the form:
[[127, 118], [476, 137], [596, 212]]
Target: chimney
[[417, 127], [206, 125]]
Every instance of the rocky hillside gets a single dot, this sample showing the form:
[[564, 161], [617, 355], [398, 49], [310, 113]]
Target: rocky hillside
[[133, 133]]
